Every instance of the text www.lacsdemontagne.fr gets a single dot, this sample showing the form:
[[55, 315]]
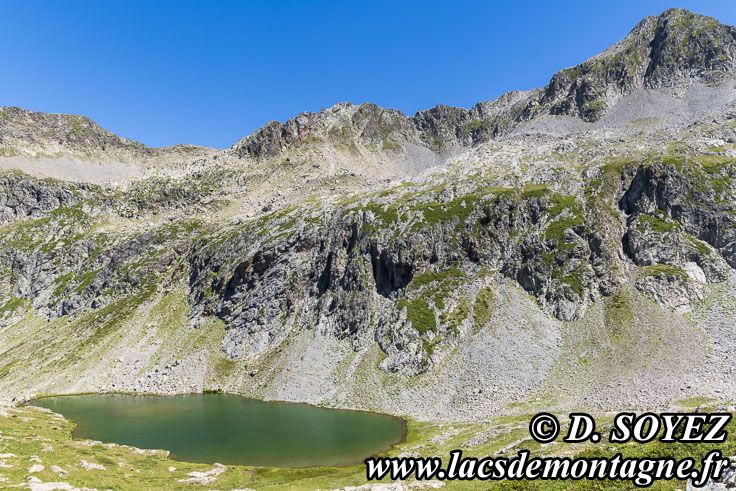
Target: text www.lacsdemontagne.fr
[[639, 471]]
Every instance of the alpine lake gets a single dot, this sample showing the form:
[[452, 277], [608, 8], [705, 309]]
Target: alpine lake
[[230, 429]]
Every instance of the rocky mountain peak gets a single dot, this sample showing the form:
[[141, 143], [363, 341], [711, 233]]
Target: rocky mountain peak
[[661, 51], [685, 45]]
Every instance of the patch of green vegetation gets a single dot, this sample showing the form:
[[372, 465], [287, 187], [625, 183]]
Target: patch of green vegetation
[[439, 299], [391, 146], [665, 269], [713, 163], [483, 308], [700, 246], [618, 314], [67, 214], [224, 367], [85, 279], [438, 143], [474, 125], [435, 213], [459, 208], [410, 207], [428, 277], [591, 190], [61, 282], [27, 234], [655, 223], [705, 172], [617, 166], [143, 264], [561, 202], [574, 279], [178, 229], [716, 169], [596, 107], [385, 214], [439, 283], [419, 313], [535, 190], [680, 148], [13, 304], [456, 317], [499, 191], [556, 230], [548, 258], [428, 347]]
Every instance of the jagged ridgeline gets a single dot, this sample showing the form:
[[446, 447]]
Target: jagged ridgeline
[[577, 239]]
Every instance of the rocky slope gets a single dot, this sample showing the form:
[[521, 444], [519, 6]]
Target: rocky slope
[[570, 246]]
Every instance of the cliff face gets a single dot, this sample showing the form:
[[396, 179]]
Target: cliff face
[[443, 265]]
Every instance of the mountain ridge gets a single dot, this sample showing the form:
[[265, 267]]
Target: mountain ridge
[[648, 57], [660, 51]]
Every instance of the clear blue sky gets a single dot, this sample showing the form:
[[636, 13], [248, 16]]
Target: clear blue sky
[[211, 72]]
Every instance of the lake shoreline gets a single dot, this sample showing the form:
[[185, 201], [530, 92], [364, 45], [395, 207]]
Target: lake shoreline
[[176, 455]]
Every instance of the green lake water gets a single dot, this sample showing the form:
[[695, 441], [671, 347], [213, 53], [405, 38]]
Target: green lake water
[[230, 429]]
